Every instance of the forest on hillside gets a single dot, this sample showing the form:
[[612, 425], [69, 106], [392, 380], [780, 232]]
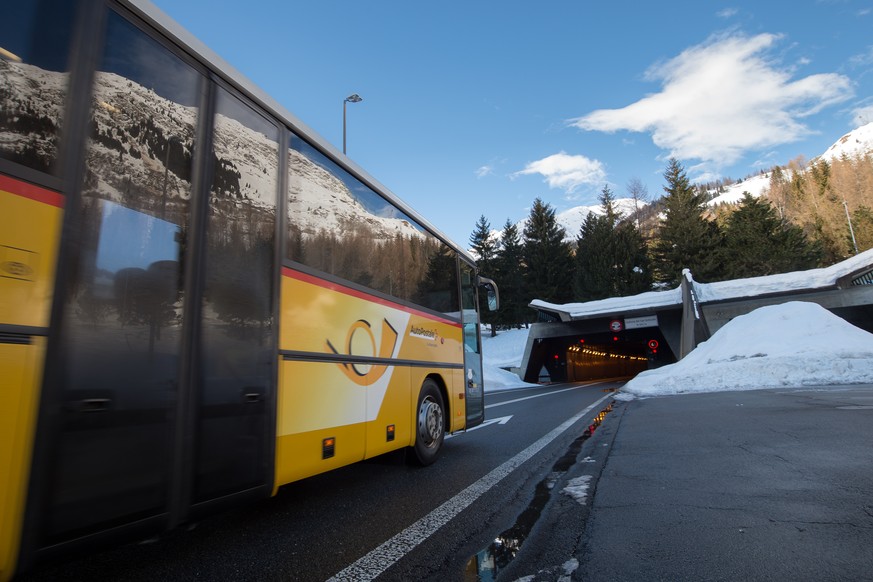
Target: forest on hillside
[[812, 215]]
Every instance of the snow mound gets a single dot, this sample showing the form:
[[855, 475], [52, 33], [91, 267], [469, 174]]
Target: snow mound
[[793, 344], [503, 351]]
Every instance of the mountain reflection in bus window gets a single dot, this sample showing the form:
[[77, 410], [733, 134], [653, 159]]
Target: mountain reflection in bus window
[[34, 65], [339, 225]]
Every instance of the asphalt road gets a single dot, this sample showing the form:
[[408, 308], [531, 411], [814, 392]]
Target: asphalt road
[[755, 485], [383, 519]]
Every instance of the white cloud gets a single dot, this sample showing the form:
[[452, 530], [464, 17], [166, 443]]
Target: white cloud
[[566, 172], [722, 98], [727, 13], [862, 115], [486, 170]]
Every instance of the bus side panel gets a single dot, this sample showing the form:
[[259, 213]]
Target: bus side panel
[[360, 400], [398, 408], [30, 223], [457, 394], [20, 376], [316, 402]]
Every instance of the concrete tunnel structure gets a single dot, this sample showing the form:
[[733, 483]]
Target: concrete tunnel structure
[[623, 336]]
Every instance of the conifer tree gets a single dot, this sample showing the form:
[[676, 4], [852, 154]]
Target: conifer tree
[[483, 246], [862, 223], [611, 256], [485, 249], [547, 256], [757, 242], [633, 272], [595, 253], [686, 239], [510, 278]]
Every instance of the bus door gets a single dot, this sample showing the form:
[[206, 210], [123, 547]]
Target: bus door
[[106, 437], [162, 372], [237, 334], [474, 392]]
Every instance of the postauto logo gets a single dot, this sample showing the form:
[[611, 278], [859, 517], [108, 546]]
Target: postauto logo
[[361, 343]]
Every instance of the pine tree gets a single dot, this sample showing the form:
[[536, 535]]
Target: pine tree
[[483, 245], [593, 272], [633, 271], [862, 225], [485, 249], [757, 242], [547, 256], [686, 239], [595, 253], [510, 278], [611, 256]]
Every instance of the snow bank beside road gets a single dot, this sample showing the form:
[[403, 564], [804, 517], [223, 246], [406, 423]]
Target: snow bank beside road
[[793, 344], [503, 351]]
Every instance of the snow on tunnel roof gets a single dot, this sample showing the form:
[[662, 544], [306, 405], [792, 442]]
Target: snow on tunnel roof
[[812, 279]]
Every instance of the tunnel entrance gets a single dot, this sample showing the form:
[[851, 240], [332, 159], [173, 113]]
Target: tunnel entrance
[[597, 356]]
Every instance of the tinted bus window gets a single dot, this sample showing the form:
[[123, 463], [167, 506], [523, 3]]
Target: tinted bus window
[[237, 326], [124, 300], [339, 225], [34, 72]]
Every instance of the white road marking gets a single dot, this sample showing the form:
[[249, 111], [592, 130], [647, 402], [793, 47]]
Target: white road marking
[[498, 420], [386, 555], [487, 406]]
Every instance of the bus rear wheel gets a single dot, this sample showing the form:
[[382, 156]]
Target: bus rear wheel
[[430, 423]]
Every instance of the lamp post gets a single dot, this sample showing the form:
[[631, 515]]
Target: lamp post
[[353, 98]]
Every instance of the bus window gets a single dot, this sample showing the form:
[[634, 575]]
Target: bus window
[[237, 315], [34, 72], [339, 225], [124, 300]]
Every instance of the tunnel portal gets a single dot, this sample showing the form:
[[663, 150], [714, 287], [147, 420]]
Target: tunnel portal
[[597, 356]]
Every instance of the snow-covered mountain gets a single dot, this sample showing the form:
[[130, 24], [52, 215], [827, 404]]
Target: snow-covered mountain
[[756, 185], [857, 142], [571, 220]]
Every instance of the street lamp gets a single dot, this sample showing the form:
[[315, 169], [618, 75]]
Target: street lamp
[[353, 98]]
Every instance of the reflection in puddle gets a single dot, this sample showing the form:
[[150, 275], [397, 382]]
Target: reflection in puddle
[[486, 565]]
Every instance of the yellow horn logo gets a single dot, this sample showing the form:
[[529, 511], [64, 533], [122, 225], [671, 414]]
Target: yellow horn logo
[[362, 373]]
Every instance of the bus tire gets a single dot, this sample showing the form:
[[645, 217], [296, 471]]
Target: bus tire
[[430, 423]]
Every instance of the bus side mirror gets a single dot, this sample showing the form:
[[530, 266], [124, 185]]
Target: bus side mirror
[[492, 292]]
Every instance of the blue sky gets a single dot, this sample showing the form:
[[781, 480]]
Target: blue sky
[[477, 108]]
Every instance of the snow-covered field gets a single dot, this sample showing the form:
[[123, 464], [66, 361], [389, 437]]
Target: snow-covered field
[[793, 344]]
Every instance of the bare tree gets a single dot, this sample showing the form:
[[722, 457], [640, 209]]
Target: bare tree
[[640, 194]]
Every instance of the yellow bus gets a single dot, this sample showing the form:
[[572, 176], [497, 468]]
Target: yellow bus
[[200, 299]]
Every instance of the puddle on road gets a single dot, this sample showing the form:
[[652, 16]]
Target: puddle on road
[[485, 565]]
